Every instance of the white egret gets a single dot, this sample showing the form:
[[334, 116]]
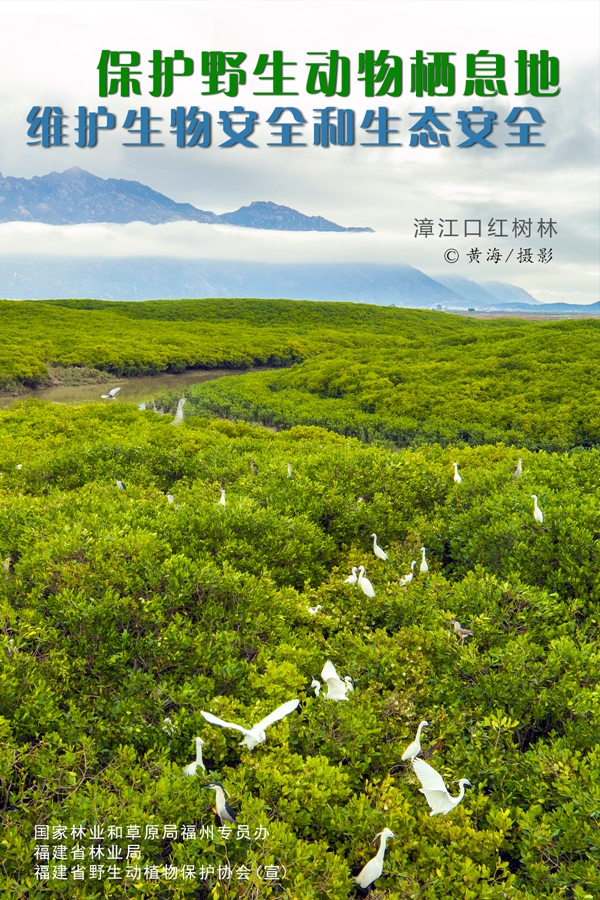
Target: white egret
[[349, 684], [373, 869], [406, 579], [537, 513], [460, 631], [435, 790], [255, 735], [224, 811], [191, 769], [6, 564], [336, 688], [19, 466], [313, 610], [170, 498], [518, 471], [289, 470], [120, 485], [316, 685], [423, 567], [457, 477], [364, 583], [178, 418], [112, 395], [415, 748], [352, 579], [222, 501], [379, 553]]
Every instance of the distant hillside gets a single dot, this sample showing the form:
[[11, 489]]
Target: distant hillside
[[142, 278], [486, 293], [75, 197]]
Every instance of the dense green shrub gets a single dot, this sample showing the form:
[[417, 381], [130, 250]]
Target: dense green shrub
[[120, 610], [404, 376]]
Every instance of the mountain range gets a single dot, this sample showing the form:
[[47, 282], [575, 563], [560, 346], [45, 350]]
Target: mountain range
[[76, 197]]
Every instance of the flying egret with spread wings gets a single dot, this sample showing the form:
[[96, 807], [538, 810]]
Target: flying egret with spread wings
[[255, 735], [435, 790], [112, 395]]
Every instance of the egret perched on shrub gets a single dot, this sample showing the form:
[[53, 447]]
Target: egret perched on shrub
[[19, 466], [255, 735], [352, 579], [6, 564], [406, 579], [120, 485], [178, 418], [415, 748], [373, 869], [537, 513], [316, 685], [170, 498], [224, 811], [222, 500], [191, 769], [435, 790], [379, 553], [313, 610], [460, 631], [423, 567], [336, 688], [518, 470], [289, 470], [457, 477], [364, 583], [112, 395]]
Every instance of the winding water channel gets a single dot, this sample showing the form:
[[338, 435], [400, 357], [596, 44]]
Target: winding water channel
[[133, 390]]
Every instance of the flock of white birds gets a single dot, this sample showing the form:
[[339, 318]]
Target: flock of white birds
[[433, 786]]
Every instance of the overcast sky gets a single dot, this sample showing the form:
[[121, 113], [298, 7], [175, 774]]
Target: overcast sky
[[49, 53]]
